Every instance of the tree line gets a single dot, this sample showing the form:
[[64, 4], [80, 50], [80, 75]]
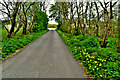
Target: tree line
[[87, 17], [23, 14]]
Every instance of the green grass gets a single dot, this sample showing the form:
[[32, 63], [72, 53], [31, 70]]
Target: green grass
[[12, 44], [5, 33], [99, 62]]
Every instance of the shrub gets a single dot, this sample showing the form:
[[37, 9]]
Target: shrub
[[16, 43], [41, 19], [111, 43], [104, 64]]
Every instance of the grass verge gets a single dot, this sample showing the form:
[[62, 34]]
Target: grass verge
[[9, 47], [103, 63]]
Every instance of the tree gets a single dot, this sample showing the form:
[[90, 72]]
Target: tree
[[119, 27], [25, 10], [11, 10], [56, 13], [108, 20], [72, 14], [40, 18]]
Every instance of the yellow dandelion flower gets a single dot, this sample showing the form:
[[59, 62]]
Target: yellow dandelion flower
[[95, 61], [89, 67], [85, 50], [102, 60], [100, 75], [89, 56], [87, 59], [93, 69], [100, 64], [105, 60], [97, 68]]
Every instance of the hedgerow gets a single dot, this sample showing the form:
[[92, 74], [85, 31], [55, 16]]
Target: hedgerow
[[16, 43], [99, 62]]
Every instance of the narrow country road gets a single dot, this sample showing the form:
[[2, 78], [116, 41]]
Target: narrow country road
[[47, 57]]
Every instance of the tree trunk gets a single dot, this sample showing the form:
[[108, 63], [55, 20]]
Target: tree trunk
[[118, 48], [97, 25], [78, 14], [12, 28], [110, 23], [24, 28], [90, 31], [17, 29]]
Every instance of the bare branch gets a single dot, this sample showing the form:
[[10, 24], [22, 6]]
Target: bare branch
[[4, 12], [5, 28], [115, 3], [29, 6], [101, 4], [2, 4], [7, 8]]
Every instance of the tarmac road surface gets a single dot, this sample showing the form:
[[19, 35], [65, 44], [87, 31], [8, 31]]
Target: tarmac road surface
[[47, 57]]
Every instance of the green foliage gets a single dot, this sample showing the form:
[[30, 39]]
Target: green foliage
[[111, 43], [5, 33], [74, 31], [55, 13], [16, 43], [99, 62], [37, 27], [40, 21]]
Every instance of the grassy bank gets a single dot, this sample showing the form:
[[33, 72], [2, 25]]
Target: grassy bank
[[10, 45], [98, 62]]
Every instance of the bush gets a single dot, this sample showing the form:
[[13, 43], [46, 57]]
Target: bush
[[40, 21], [104, 64], [37, 27], [16, 43], [111, 43]]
